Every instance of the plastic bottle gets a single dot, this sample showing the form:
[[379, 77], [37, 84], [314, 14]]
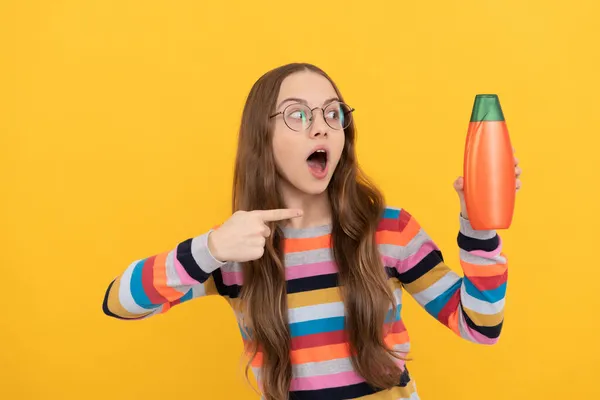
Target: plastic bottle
[[489, 170]]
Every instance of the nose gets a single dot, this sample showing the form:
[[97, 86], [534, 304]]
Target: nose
[[318, 127]]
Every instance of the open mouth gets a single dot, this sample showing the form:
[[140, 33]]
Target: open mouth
[[317, 161]]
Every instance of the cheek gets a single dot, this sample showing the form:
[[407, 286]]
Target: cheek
[[337, 145], [283, 147]]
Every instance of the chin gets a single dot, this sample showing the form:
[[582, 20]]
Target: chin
[[313, 188], [316, 189]]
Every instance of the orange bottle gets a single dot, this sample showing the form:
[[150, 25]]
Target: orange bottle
[[489, 169]]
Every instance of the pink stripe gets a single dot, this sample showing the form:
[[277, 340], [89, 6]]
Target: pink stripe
[[476, 336], [183, 276], [489, 254], [307, 270], [232, 277], [326, 381], [390, 261], [413, 260]]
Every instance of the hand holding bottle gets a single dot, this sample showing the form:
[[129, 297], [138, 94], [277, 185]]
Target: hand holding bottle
[[459, 187]]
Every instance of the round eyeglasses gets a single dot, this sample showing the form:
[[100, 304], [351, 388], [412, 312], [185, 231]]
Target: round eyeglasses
[[299, 117]]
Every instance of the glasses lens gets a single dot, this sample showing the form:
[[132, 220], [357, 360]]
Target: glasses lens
[[338, 115], [298, 117]]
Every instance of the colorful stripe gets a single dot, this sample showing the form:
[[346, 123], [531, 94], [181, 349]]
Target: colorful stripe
[[471, 305]]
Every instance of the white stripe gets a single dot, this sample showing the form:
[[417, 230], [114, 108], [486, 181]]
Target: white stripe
[[308, 257], [318, 311], [439, 287], [232, 267], [416, 243], [125, 296], [392, 251], [402, 348], [464, 329], [483, 261], [398, 295], [479, 306], [329, 367], [173, 279], [336, 366], [468, 230], [198, 290], [413, 396]]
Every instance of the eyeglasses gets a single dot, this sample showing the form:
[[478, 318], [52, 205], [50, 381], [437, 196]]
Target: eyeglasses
[[299, 117]]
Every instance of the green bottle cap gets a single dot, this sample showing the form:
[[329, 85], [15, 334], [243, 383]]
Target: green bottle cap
[[487, 108]]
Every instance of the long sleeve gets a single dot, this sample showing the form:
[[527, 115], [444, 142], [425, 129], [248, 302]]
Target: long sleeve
[[471, 305], [154, 284]]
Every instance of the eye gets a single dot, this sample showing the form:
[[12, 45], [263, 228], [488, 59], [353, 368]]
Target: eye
[[333, 114], [298, 114]]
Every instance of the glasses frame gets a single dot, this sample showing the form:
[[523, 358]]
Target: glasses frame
[[312, 110]]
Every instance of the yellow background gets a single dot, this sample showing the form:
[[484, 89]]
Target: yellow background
[[118, 123]]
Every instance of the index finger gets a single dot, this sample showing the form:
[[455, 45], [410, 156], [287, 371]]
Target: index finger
[[278, 214]]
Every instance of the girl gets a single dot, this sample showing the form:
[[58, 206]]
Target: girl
[[312, 261]]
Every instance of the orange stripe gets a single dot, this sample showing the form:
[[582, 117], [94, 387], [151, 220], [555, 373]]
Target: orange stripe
[[331, 352], [321, 353], [396, 338], [389, 237], [453, 322], [304, 244], [313, 354], [483, 270], [160, 279]]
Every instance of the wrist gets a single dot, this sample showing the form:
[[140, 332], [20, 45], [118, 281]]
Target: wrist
[[213, 245]]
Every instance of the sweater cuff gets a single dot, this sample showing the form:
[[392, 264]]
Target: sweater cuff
[[202, 255], [468, 230]]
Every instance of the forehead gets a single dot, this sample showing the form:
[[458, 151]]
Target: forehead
[[307, 85]]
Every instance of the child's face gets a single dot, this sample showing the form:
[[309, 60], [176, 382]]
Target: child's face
[[296, 136]]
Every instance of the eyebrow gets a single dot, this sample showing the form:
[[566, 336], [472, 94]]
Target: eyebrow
[[299, 100]]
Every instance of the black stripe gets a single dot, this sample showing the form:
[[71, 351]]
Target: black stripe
[[391, 272], [232, 291], [107, 310], [312, 283], [469, 244], [344, 392], [425, 265], [185, 257], [491, 332]]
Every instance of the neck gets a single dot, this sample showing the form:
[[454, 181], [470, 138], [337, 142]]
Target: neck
[[316, 207]]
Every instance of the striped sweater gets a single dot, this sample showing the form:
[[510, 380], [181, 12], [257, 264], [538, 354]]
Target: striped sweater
[[471, 305]]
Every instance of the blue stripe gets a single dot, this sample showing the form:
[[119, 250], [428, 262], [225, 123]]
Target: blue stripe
[[330, 324], [391, 213], [491, 296], [317, 326], [396, 316], [435, 306], [244, 335], [137, 290], [187, 296]]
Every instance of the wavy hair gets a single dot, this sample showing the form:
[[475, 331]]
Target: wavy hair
[[357, 206]]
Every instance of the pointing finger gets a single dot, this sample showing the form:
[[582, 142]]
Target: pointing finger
[[279, 214]]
